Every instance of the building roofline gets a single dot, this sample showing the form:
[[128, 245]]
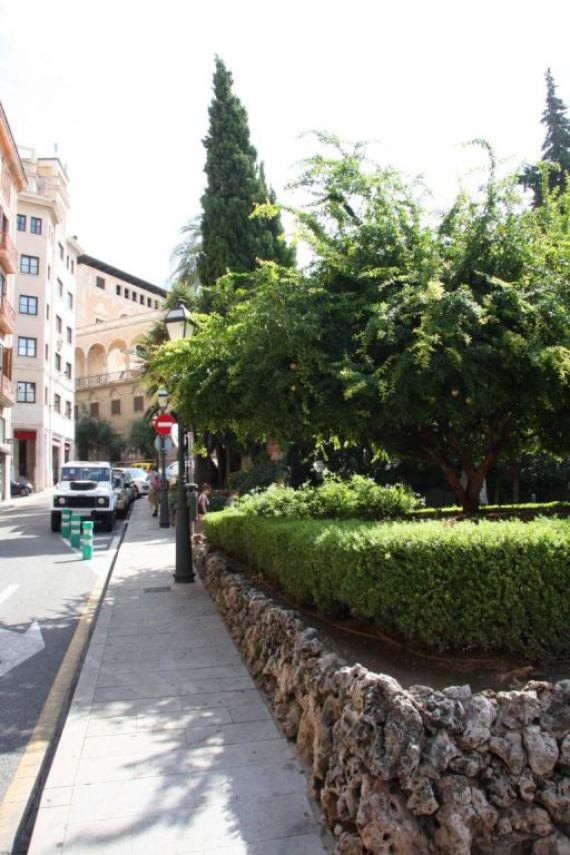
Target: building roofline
[[61, 165], [120, 274], [12, 144]]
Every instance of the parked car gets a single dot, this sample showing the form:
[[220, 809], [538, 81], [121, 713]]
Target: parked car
[[21, 488], [122, 487], [86, 487], [141, 482]]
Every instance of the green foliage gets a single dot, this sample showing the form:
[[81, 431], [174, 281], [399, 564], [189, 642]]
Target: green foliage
[[231, 239], [96, 438], [498, 587], [445, 341], [555, 149], [260, 475], [355, 498]]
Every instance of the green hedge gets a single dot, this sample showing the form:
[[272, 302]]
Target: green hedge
[[493, 586]]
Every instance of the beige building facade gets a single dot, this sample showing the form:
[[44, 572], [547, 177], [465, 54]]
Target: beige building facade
[[115, 311], [43, 421], [12, 181]]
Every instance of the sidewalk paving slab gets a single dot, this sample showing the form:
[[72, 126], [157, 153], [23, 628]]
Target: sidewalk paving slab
[[169, 746]]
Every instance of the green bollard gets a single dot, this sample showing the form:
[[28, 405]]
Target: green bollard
[[66, 523], [87, 540], [75, 530]]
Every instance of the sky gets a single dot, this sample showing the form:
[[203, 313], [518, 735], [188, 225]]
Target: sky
[[122, 88]]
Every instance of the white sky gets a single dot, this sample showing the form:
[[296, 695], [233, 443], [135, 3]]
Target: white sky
[[123, 88]]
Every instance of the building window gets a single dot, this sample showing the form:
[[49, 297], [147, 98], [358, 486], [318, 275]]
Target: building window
[[58, 363], [61, 250], [27, 346], [68, 409], [116, 407], [58, 324], [156, 304], [94, 410], [135, 296], [35, 225], [141, 299], [47, 352], [68, 370], [118, 290], [21, 223], [72, 266], [49, 273], [47, 311], [69, 300], [100, 282], [28, 305], [57, 403], [67, 261], [3, 285], [59, 288], [126, 293], [149, 302], [46, 396], [69, 335], [76, 413], [29, 264], [26, 393], [138, 404]]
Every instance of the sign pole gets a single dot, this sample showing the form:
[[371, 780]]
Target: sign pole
[[164, 514]]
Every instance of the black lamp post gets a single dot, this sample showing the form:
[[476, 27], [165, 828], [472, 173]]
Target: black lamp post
[[180, 325], [164, 518]]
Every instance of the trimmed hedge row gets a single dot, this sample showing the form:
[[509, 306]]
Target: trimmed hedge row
[[500, 587]]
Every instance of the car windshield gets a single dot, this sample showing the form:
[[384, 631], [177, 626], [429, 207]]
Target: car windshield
[[138, 474], [85, 473]]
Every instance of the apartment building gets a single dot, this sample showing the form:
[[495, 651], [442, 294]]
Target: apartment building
[[115, 311], [12, 181], [45, 304]]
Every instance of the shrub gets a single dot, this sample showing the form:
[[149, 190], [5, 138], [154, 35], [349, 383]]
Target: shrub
[[259, 476], [359, 497], [493, 586]]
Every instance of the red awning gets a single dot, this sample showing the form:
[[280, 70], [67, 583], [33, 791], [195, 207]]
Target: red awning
[[24, 434]]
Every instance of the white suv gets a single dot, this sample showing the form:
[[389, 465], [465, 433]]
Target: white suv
[[86, 487]]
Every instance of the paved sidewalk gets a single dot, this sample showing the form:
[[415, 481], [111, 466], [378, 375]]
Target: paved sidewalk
[[169, 747]]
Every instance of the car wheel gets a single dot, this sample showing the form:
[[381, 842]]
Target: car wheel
[[56, 522], [109, 522], [24, 491]]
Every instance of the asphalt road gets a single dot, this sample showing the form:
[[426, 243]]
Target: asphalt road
[[44, 587]]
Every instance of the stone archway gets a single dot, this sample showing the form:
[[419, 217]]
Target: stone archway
[[117, 357], [96, 360], [80, 363]]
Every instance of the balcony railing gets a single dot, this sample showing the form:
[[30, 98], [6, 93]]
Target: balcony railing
[[7, 316], [8, 254], [107, 379]]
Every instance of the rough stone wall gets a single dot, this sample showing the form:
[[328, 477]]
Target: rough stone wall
[[406, 771]]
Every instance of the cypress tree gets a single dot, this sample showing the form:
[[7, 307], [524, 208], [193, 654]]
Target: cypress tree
[[556, 146], [230, 239]]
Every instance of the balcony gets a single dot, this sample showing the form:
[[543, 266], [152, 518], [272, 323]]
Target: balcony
[[7, 316], [8, 254], [107, 379], [7, 396]]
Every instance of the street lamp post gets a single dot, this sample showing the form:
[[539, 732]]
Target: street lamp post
[[164, 519], [180, 325]]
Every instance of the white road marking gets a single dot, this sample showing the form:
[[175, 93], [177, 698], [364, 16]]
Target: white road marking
[[7, 592], [16, 647]]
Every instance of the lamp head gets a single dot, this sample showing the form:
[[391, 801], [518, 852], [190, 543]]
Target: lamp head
[[162, 396], [179, 323]]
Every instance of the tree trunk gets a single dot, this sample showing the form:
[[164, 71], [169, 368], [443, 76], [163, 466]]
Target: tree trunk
[[468, 496], [516, 482]]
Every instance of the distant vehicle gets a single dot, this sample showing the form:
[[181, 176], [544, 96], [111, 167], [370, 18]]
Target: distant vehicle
[[141, 482], [171, 470], [147, 465], [124, 490], [86, 488], [21, 488]]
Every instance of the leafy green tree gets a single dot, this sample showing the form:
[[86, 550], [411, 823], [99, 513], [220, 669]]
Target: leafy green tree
[[231, 239], [141, 438], [555, 149], [96, 438], [447, 343]]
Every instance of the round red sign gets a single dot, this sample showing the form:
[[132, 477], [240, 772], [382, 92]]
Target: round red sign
[[163, 423]]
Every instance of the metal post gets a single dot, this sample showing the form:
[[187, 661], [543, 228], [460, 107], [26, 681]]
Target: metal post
[[164, 514], [184, 571]]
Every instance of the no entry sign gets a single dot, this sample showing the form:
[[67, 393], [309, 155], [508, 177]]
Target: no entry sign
[[163, 423]]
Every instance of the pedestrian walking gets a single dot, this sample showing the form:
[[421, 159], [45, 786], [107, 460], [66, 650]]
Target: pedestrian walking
[[204, 501], [154, 492]]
